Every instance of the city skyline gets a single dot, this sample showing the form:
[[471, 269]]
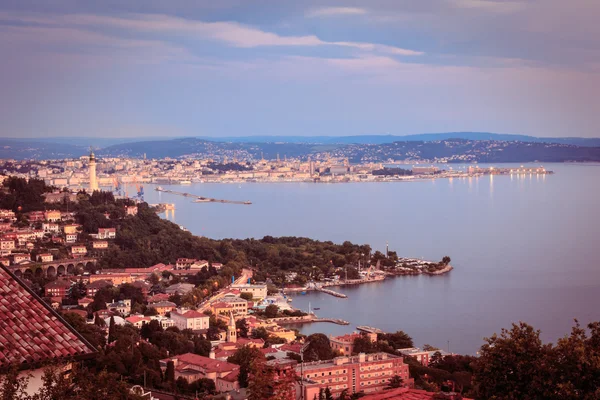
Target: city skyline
[[310, 68]]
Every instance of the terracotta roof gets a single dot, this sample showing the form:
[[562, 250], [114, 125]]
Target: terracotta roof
[[220, 304], [31, 332], [404, 394], [163, 304], [192, 314], [208, 364], [293, 347]]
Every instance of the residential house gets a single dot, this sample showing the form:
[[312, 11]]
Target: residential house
[[69, 229], [239, 305], [36, 216], [121, 306], [115, 277], [422, 356], [7, 214], [131, 210], [45, 257], [184, 263], [179, 288], [71, 238], [100, 245], [345, 343], [192, 367], [53, 216], [189, 319], [93, 287], [106, 233], [78, 251], [59, 288], [50, 227], [163, 307], [18, 258], [6, 245]]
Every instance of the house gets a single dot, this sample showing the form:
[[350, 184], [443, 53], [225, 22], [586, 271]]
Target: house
[[36, 335], [192, 367], [7, 214], [198, 265], [93, 287], [239, 305], [100, 244], [59, 288], [179, 288], [53, 216], [7, 244], [86, 301], [122, 306], [421, 356], [5, 226], [18, 258], [138, 320], [36, 216], [159, 297], [45, 257], [221, 308], [184, 263], [217, 266], [163, 307], [78, 251], [345, 343], [71, 237], [50, 227], [143, 286], [189, 319], [5, 261], [366, 373], [69, 229], [106, 233], [258, 291], [117, 278]]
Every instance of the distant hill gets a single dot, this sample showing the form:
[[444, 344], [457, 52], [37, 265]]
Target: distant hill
[[38, 150], [425, 137]]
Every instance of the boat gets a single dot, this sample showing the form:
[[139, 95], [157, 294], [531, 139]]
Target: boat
[[316, 308], [185, 182], [303, 292], [289, 299]]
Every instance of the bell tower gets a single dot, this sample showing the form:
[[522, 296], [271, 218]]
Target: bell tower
[[92, 166], [231, 329]]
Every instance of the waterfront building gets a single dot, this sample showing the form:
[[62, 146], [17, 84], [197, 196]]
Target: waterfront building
[[258, 291], [238, 305], [366, 373], [192, 367]]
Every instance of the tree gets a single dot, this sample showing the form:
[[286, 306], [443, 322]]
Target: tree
[[514, 365], [242, 327], [271, 311], [396, 381], [446, 260], [246, 296], [261, 382], [244, 357], [318, 348], [428, 347], [397, 340], [111, 330], [260, 333], [170, 372], [12, 386], [363, 344]]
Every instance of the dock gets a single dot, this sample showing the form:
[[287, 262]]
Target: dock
[[331, 292], [201, 199], [368, 329]]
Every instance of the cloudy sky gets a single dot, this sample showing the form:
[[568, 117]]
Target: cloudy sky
[[124, 68]]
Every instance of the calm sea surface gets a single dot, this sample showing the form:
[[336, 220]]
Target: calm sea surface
[[524, 248]]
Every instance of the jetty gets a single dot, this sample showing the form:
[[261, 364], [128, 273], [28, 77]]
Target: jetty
[[201, 199], [368, 329], [331, 292]]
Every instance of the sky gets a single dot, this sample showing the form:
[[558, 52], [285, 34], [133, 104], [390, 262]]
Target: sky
[[139, 68]]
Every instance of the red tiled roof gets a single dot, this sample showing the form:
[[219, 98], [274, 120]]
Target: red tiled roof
[[31, 332], [220, 304], [295, 347], [402, 394], [192, 314], [208, 364]]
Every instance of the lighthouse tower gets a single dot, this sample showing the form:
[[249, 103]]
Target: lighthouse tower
[[93, 179]]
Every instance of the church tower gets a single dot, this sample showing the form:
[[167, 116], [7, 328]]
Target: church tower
[[93, 180], [231, 329]]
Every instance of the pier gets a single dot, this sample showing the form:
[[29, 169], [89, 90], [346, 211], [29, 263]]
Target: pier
[[368, 329], [201, 199], [331, 292]]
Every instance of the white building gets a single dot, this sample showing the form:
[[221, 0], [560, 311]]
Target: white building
[[259, 291], [189, 319]]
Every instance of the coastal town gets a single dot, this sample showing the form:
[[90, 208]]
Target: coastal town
[[52, 259], [126, 176]]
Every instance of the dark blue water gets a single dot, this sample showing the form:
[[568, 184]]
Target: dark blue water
[[523, 248]]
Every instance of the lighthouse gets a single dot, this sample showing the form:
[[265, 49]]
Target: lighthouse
[[93, 180]]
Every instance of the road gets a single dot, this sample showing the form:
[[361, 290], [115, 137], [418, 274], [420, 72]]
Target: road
[[205, 305]]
